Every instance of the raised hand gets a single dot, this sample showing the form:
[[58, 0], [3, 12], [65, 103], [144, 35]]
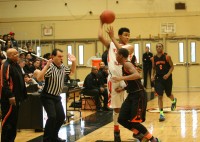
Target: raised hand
[[110, 32], [71, 57]]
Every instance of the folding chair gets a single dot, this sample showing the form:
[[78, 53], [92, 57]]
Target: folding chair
[[88, 102]]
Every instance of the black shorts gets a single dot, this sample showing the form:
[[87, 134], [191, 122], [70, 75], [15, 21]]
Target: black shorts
[[134, 107], [162, 85]]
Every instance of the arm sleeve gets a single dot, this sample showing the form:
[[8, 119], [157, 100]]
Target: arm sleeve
[[48, 72]]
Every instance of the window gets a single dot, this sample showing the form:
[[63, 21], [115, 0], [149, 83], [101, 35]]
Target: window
[[148, 45], [38, 51], [69, 51], [193, 52], [80, 53], [136, 51], [181, 52]]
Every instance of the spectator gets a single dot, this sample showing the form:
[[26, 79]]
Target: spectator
[[29, 81], [36, 65], [103, 75], [93, 87], [147, 67], [21, 63], [12, 37]]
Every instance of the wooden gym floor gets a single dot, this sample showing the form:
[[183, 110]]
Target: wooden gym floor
[[180, 125]]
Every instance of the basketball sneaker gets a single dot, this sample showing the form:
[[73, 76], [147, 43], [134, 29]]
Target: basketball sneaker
[[162, 118], [117, 137], [173, 106]]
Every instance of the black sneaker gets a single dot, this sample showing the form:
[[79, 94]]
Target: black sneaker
[[117, 137], [173, 106]]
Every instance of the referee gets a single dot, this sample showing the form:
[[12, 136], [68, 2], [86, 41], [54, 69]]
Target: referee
[[54, 73]]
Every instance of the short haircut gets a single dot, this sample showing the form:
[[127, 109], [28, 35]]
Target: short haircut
[[158, 44], [94, 68], [54, 52], [124, 52], [121, 30], [47, 55]]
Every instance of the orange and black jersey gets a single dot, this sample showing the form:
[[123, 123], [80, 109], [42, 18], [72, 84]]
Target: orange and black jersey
[[161, 64], [132, 85]]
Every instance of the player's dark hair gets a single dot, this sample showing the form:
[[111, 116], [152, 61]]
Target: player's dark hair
[[124, 52], [121, 30]]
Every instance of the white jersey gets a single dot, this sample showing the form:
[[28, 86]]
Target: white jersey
[[115, 99], [113, 66]]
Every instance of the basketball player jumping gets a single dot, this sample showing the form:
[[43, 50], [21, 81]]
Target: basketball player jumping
[[115, 70], [162, 67]]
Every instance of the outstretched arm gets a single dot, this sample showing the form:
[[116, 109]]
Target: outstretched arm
[[134, 74], [104, 41], [72, 58], [40, 74]]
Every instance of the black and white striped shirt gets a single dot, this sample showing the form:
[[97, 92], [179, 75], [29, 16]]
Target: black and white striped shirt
[[54, 79]]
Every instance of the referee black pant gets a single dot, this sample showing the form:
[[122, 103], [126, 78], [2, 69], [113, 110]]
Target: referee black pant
[[56, 116]]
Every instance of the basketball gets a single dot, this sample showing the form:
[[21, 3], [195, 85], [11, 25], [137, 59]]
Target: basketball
[[107, 16]]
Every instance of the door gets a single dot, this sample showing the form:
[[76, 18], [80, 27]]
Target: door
[[185, 56], [193, 64], [137, 44], [85, 51]]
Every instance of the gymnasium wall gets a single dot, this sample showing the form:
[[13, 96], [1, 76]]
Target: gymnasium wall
[[79, 19], [72, 19]]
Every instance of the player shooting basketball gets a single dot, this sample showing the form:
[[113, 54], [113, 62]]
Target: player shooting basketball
[[115, 69]]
